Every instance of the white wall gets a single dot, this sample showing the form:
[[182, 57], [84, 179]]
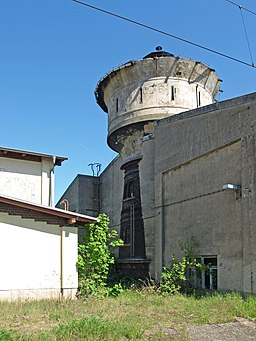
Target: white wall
[[30, 258], [27, 180]]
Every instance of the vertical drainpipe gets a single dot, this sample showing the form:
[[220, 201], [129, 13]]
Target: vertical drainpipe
[[70, 221], [62, 236], [51, 184]]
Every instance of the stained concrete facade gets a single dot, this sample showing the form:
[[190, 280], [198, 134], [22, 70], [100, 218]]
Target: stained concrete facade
[[187, 158], [212, 146], [27, 175], [83, 195]]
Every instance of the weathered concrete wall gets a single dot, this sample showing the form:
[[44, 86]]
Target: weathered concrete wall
[[195, 206], [182, 173], [27, 180], [111, 190], [166, 83], [196, 153], [146, 167], [83, 195], [151, 89]]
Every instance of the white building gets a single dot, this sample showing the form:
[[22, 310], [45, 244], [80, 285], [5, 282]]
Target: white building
[[38, 244]]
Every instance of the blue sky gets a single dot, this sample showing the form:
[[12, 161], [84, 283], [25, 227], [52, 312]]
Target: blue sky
[[53, 52]]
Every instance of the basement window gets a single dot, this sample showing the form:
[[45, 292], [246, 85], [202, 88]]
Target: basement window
[[208, 278]]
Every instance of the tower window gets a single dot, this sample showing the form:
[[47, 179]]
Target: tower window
[[117, 105], [173, 93], [199, 98], [141, 95]]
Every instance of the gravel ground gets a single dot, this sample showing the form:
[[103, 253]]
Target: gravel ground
[[242, 330]]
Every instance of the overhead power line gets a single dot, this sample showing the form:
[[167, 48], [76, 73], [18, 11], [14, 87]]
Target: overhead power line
[[241, 7], [164, 33], [246, 35]]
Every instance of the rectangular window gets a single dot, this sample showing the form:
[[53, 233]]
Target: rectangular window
[[208, 278], [141, 95], [173, 93], [198, 97], [116, 104]]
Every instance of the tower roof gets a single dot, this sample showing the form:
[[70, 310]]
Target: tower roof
[[158, 53]]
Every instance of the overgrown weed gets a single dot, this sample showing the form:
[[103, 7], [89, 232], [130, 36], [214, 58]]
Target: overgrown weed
[[134, 314]]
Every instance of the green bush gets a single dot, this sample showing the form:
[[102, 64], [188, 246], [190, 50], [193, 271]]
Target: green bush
[[176, 278], [94, 257]]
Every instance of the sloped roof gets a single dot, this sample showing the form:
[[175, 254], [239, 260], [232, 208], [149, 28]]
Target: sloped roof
[[38, 212]]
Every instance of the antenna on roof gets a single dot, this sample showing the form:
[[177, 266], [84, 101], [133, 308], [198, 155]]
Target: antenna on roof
[[95, 167]]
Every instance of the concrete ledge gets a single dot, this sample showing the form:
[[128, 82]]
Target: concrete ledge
[[37, 294], [209, 108]]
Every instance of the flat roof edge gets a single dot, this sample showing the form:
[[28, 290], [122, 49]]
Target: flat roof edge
[[228, 103], [4, 153]]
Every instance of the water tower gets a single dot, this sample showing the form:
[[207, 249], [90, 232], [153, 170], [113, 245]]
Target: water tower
[[135, 96]]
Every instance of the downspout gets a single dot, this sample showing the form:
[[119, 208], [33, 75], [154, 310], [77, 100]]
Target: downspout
[[51, 184], [62, 236], [70, 221]]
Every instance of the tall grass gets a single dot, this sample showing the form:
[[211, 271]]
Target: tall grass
[[134, 315]]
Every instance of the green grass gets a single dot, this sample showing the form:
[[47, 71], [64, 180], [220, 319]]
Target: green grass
[[134, 315]]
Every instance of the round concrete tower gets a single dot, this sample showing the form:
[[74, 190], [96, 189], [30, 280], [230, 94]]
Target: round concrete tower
[[140, 92], [135, 96]]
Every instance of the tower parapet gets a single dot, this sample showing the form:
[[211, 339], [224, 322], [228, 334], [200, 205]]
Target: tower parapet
[[158, 86]]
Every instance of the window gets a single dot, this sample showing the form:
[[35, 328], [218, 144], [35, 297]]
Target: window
[[208, 278], [199, 98], [141, 96], [129, 189], [117, 105], [173, 93]]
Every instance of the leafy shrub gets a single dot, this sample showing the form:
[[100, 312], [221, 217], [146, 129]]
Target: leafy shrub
[[177, 277], [94, 257]]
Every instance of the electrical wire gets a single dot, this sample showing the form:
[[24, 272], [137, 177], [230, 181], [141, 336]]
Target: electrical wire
[[164, 33], [246, 35], [241, 7]]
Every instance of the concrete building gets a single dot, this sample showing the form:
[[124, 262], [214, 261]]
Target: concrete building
[[28, 176], [186, 168], [38, 244]]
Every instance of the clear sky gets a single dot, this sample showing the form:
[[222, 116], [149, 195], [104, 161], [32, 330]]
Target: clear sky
[[53, 52]]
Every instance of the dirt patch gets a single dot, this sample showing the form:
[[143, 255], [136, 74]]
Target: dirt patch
[[242, 330]]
